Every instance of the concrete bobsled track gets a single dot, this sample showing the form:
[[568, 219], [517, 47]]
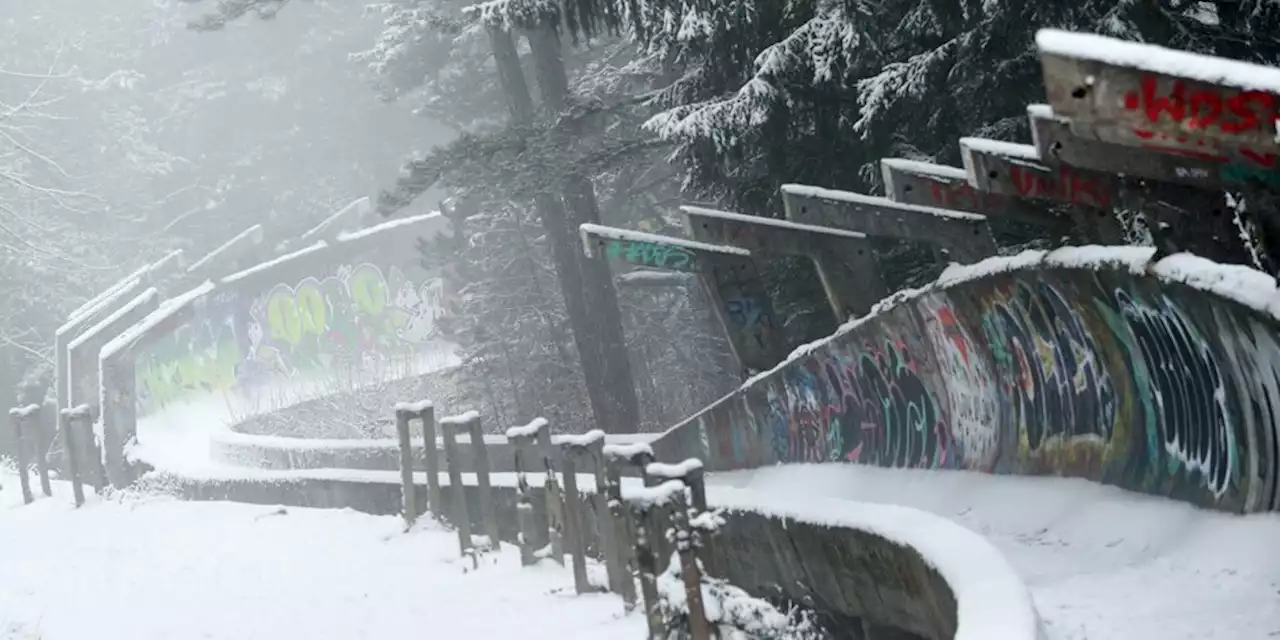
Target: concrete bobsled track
[[1157, 378], [1161, 378]]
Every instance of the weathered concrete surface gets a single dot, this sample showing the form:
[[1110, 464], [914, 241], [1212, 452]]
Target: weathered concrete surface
[[1079, 365], [846, 572], [280, 453], [834, 569]]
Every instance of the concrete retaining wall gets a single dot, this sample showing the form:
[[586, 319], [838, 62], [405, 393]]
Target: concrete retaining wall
[[1158, 378], [891, 568]]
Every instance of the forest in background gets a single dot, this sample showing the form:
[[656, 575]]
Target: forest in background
[[125, 134]]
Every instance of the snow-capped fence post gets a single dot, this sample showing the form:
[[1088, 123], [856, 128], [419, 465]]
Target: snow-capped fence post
[[686, 542], [461, 515], [408, 496], [621, 576], [69, 445], [430, 456], [484, 484], [574, 535], [644, 504], [522, 442], [693, 475], [606, 530], [19, 416], [554, 500], [84, 416], [572, 448]]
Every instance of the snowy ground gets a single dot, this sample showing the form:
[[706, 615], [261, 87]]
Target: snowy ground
[[1102, 563], [157, 568]]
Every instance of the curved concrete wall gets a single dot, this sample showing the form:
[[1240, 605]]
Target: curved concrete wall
[[891, 566], [1162, 378], [358, 309]]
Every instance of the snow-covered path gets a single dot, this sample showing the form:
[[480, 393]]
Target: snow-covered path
[[1102, 563], [161, 569]]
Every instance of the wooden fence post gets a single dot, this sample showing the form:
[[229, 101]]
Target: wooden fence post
[[69, 440], [554, 501], [623, 580], [483, 482], [522, 439], [687, 550], [573, 529], [82, 418], [24, 478], [692, 473], [33, 415], [642, 504], [407, 493], [573, 448], [607, 530], [430, 456], [461, 515]]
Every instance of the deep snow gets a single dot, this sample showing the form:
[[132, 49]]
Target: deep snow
[[157, 568], [1101, 563]]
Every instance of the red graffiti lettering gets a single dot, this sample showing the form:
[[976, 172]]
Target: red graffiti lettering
[[963, 197], [1204, 109], [1066, 186]]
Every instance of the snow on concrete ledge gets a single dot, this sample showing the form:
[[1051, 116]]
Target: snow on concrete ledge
[[258, 268], [529, 430], [653, 496], [460, 420], [24, 412], [439, 226], [1001, 148], [778, 223], [1157, 59], [920, 167], [992, 602], [413, 407], [673, 471], [588, 229], [628, 450], [167, 308], [820, 193], [580, 440], [141, 299]]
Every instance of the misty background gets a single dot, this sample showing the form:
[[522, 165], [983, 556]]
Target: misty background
[[125, 133]]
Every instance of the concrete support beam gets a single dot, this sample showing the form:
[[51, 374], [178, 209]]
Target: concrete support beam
[[935, 185], [1155, 98], [728, 274], [1015, 170], [844, 259], [966, 237]]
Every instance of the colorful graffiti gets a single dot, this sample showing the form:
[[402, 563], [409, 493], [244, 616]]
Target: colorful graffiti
[[343, 319], [1054, 385], [1186, 389], [652, 254], [1109, 376]]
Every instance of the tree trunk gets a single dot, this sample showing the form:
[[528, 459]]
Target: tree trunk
[[614, 402], [585, 285]]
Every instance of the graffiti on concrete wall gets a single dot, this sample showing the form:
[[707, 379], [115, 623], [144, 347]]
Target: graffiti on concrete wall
[[356, 314], [1107, 376], [651, 254]]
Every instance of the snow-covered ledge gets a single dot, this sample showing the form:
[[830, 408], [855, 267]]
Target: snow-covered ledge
[[988, 599]]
